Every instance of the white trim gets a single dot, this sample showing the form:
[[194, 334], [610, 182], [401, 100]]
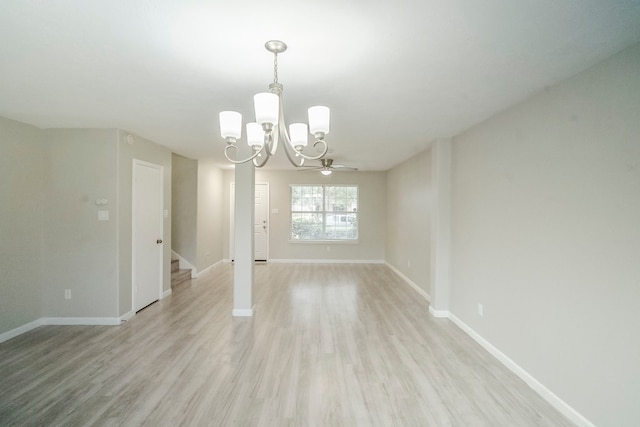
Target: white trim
[[232, 197], [67, 321], [326, 261], [206, 270], [440, 271], [242, 312], [183, 264], [267, 216], [21, 330], [538, 387], [323, 212], [117, 219], [409, 282], [232, 203], [166, 293], [135, 164], [127, 316], [438, 313], [63, 321], [325, 242]]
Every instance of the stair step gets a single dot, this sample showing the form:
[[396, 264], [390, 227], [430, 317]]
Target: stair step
[[180, 276], [175, 265]]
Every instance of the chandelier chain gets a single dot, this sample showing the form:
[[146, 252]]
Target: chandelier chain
[[275, 67]]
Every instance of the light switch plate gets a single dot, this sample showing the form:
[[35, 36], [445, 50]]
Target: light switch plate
[[103, 215]]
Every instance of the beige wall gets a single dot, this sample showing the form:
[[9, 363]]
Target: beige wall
[[408, 205], [22, 180], [546, 235], [197, 212], [50, 181], [210, 215], [80, 251], [184, 207], [372, 220]]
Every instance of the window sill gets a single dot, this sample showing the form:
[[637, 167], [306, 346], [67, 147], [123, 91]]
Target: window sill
[[327, 242]]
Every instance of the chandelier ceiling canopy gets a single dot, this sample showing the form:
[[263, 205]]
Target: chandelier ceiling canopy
[[270, 127]]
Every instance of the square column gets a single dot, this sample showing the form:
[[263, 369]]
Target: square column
[[441, 228], [244, 234]]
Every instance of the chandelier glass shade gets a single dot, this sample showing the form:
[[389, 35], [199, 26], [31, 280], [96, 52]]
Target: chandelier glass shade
[[269, 128]]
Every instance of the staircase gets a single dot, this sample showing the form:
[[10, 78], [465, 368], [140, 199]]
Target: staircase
[[178, 276]]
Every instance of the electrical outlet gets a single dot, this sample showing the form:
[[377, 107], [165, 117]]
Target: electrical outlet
[[480, 310], [67, 294], [409, 263]]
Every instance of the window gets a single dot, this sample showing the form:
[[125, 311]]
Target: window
[[324, 212]]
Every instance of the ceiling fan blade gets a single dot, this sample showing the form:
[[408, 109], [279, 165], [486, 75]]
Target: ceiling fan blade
[[343, 167], [327, 165]]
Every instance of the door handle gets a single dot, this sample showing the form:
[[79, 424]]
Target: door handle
[[159, 241]]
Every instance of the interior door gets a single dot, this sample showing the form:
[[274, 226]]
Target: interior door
[[147, 233], [261, 226]]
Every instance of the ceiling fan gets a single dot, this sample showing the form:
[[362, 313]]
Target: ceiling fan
[[327, 166]]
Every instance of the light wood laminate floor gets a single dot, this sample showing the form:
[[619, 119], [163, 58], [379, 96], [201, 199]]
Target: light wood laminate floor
[[329, 345]]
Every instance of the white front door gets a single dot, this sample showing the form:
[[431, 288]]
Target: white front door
[[261, 226], [147, 233], [261, 216]]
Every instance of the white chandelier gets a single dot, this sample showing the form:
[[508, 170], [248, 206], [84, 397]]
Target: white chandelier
[[264, 134]]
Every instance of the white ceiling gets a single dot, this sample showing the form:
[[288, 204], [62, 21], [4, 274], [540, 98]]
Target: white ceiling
[[396, 75]]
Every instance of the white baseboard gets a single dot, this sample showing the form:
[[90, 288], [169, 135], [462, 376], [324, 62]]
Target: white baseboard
[[127, 316], [64, 321], [242, 312], [325, 261], [183, 263], [417, 288], [67, 321], [538, 387], [439, 313], [20, 330], [206, 270], [166, 293]]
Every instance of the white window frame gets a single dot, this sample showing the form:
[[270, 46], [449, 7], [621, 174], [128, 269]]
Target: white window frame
[[324, 214]]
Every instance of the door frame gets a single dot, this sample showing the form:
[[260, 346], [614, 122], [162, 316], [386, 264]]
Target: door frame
[[232, 197], [137, 163]]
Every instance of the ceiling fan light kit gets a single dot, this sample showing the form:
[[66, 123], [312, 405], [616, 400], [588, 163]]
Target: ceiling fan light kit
[[270, 127], [327, 167]]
